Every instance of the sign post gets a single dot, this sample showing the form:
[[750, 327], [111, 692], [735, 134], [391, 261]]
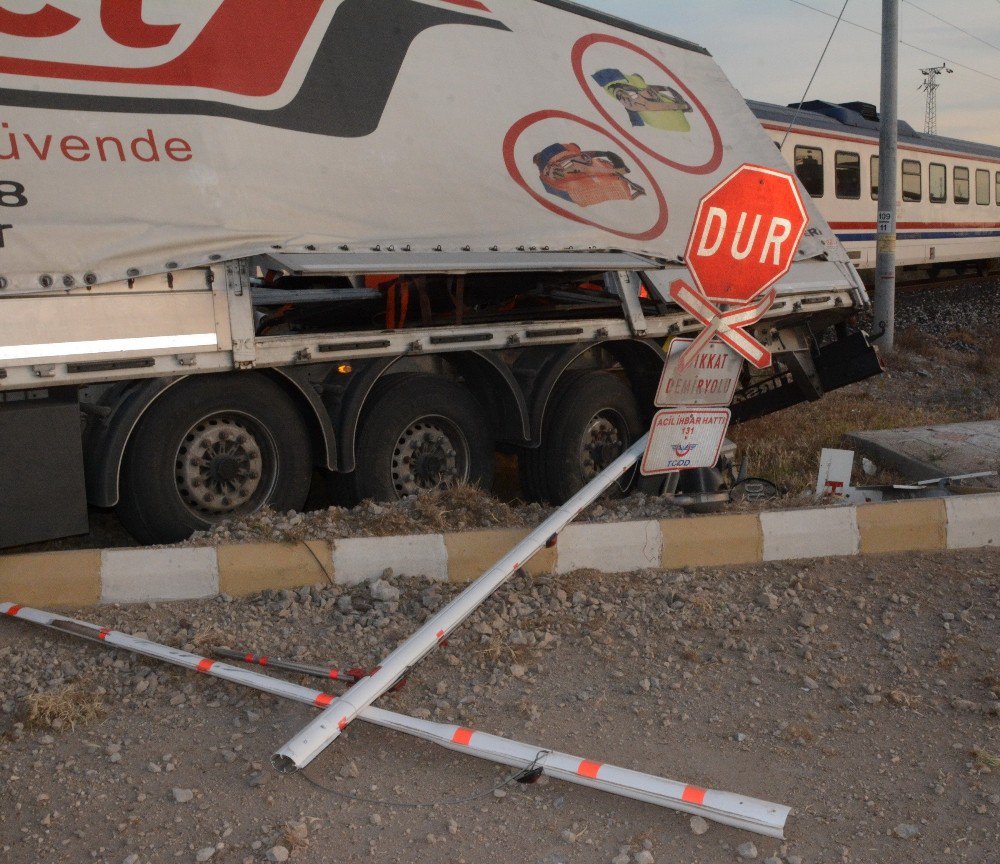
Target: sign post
[[744, 239]]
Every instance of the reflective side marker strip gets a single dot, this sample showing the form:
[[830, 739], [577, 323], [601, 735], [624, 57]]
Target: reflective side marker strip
[[204, 665], [740, 811], [106, 346]]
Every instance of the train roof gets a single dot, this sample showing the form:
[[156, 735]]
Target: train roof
[[858, 118]]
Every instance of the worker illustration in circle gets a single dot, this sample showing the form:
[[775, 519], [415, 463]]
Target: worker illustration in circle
[[585, 177], [647, 104]]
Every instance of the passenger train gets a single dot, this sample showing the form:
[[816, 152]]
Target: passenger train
[[949, 190]]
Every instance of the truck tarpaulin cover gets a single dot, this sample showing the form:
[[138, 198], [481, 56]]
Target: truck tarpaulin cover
[[141, 136]]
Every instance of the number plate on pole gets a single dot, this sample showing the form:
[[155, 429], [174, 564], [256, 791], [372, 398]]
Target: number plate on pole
[[682, 438]]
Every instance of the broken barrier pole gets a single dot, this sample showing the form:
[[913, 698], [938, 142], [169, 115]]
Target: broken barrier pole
[[348, 676], [739, 811], [322, 731]]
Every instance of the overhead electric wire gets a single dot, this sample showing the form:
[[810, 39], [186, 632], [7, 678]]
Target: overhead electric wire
[[819, 63], [901, 41], [949, 23]]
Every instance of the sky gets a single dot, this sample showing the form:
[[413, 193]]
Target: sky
[[769, 49]]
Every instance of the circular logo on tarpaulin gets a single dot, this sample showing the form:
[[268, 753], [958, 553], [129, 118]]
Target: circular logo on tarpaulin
[[580, 171], [647, 104]]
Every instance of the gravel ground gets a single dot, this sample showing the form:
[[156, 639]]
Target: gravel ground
[[458, 509], [948, 350], [863, 693]]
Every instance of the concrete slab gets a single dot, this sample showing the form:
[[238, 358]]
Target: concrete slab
[[926, 452]]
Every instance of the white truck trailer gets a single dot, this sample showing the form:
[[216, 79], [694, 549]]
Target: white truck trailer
[[242, 241]]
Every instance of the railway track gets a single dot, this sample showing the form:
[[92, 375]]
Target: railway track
[[963, 280]]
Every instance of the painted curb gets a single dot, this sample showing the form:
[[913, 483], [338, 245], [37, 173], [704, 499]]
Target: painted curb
[[611, 547], [91, 577]]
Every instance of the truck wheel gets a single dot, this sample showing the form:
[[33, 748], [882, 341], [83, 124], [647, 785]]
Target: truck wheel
[[422, 433], [531, 460], [209, 449], [594, 420], [531, 472]]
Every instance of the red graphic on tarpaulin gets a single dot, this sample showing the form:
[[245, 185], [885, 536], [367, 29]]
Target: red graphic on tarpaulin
[[745, 235], [727, 326], [585, 177], [317, 51], [122, 21], [41, 24], [468, 4], [217, 59], [549, 201]]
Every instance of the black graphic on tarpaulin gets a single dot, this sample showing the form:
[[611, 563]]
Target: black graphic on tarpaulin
[[647, 104], [585, 177], [345, 90]]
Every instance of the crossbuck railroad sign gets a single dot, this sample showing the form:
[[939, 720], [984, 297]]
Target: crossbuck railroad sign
[[745, 236]]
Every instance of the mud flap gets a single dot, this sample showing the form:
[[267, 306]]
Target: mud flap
[[838, 364]]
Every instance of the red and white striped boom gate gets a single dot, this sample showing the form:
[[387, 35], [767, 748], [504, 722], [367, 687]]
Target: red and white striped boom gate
[[739, 811], [322, 731]]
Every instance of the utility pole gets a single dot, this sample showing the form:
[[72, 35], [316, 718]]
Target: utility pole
[[930, 87], [885, 286]]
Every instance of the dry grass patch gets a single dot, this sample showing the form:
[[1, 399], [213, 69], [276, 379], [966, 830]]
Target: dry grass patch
[[917, 342], [984, 757], [784, 447], [498, 649], [980, 351], [69, 706], [985, 360]]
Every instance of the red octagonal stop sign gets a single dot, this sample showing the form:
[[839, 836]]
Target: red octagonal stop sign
[[745, 234]]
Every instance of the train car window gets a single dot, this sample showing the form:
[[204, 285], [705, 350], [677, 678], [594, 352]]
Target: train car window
[[982, 186], [937, 183], [809, 169], [847, 174], [874, 178], [911, 180], [961, 177], [997, 191]]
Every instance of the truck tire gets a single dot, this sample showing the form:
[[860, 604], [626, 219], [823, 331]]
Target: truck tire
[[421, 433], [594, 420], [211, 448], [531, 460]]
